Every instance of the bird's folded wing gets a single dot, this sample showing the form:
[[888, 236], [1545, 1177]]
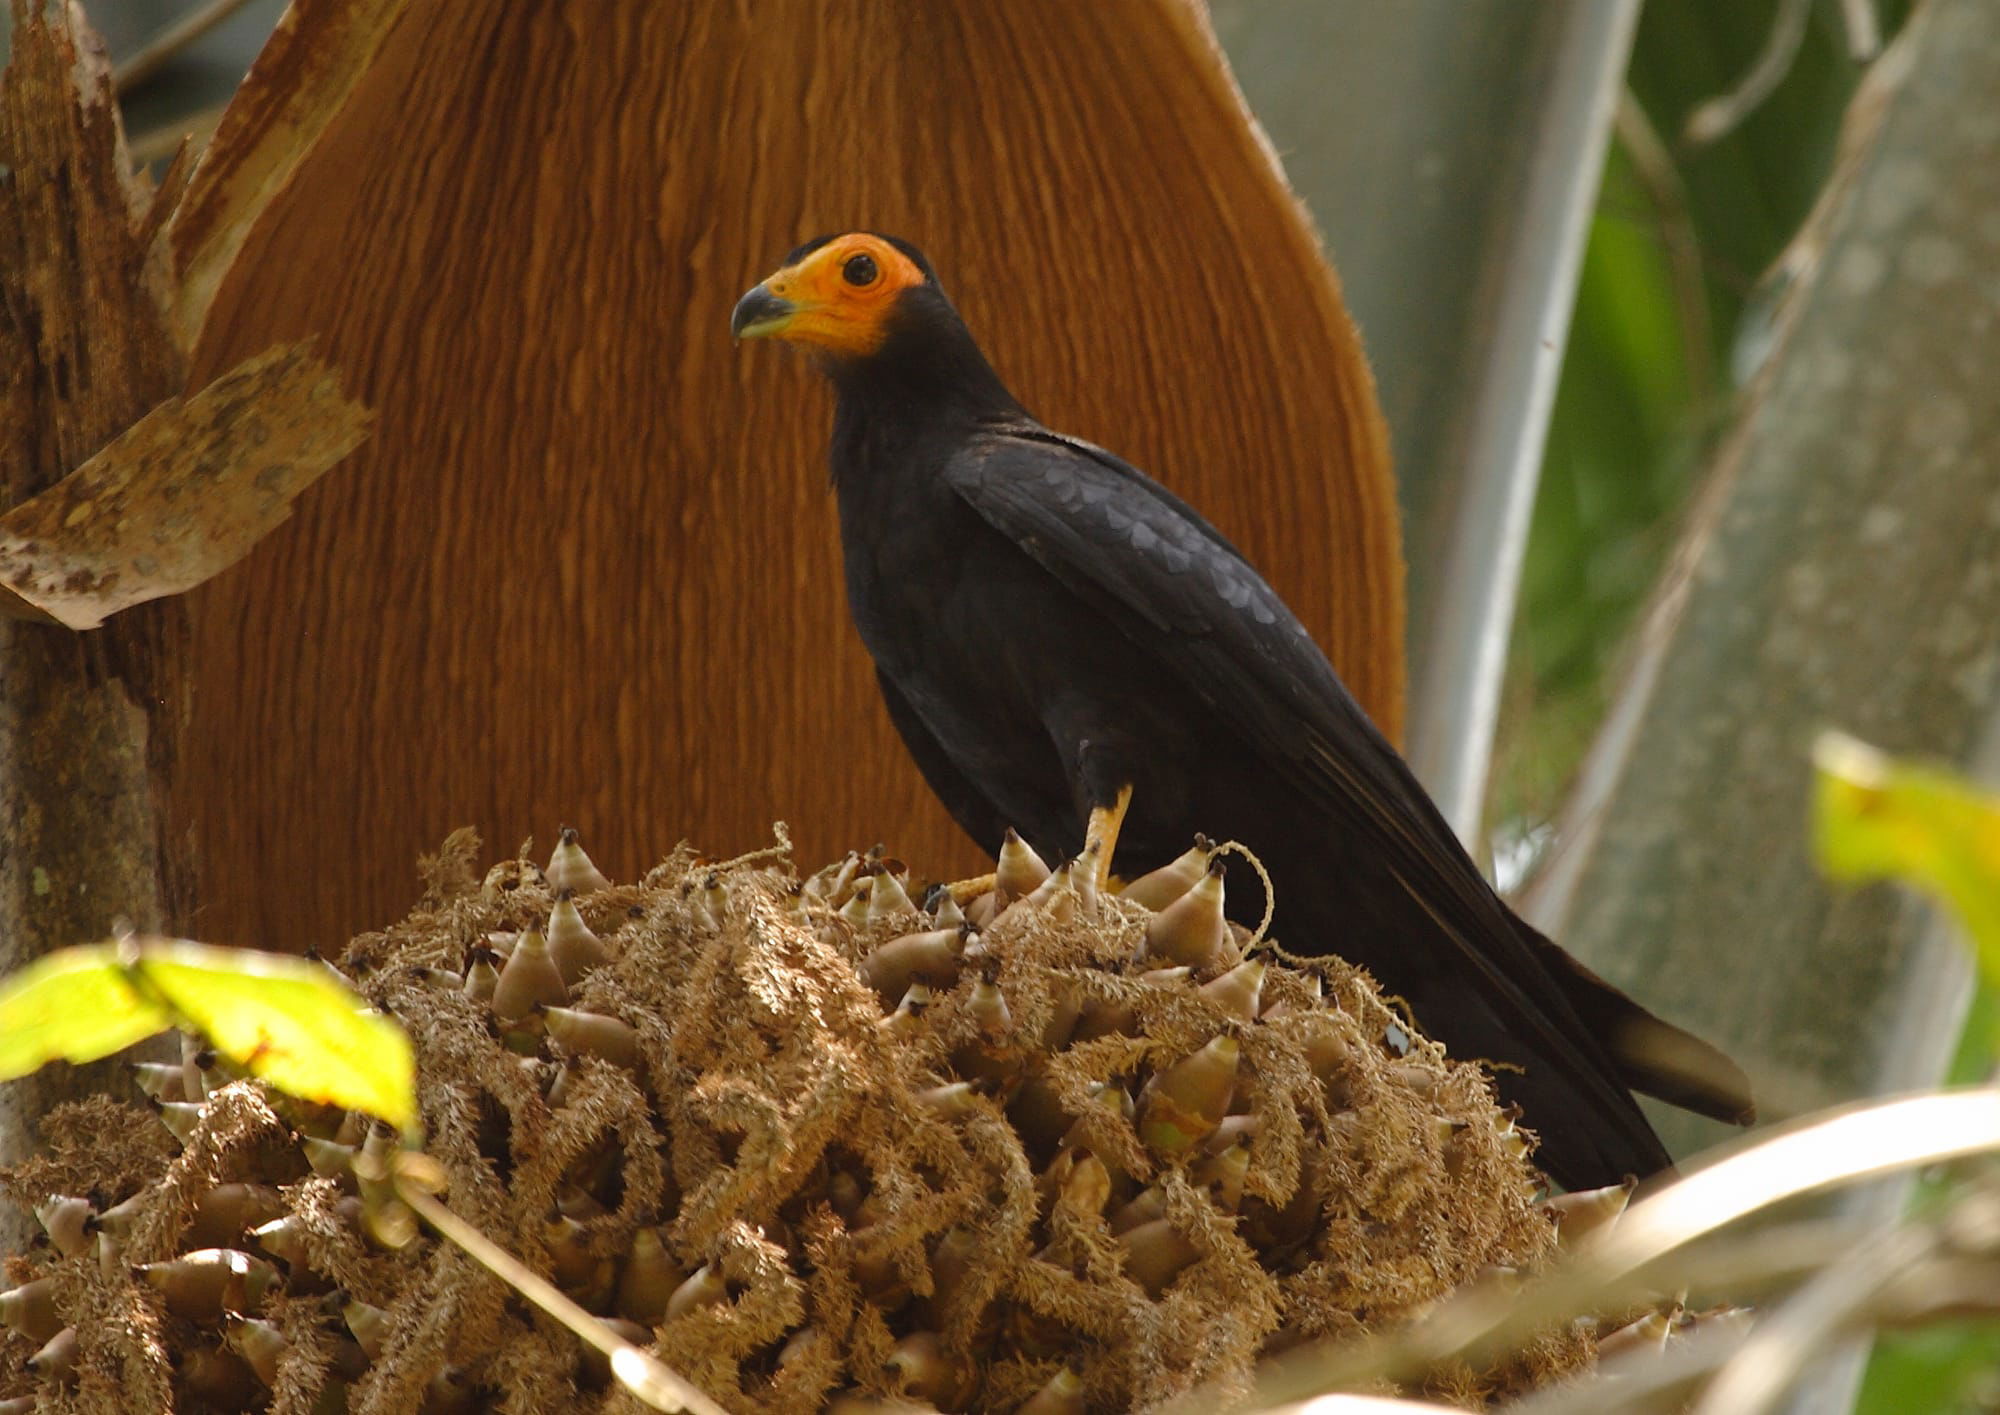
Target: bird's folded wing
[[1172, 583]]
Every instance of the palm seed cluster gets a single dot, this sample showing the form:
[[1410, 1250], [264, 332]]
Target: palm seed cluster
[[1046, 1149]]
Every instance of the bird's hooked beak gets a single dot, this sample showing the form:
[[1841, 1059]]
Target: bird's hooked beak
[[760, 312]]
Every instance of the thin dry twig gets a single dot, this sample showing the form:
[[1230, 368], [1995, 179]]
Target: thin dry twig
[[170, 41], [1719, 117], [637, 1371], [1653, 165], [1864, 29]]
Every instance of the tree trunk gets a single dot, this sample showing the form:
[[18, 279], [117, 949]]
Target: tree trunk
[[1842, 569], [86, 722]]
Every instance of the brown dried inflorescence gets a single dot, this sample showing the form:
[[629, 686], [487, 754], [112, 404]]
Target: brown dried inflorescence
[[1057, 1151]]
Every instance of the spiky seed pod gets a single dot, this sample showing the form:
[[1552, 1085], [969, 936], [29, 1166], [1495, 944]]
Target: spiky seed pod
[[648, 1279], [214, 1073], [284, 1239], [218, 1378], [704, 1287], [329, 1158], [615, 1040], [443, 979], [353, 1128], [1223, 1175], [1062, 1394], [368, 1323], [1183, 1104], [575, 949], [1068, 996], [482, 974], [572, 1264], [56, 1361], [1649, 1333], [1108, 1095], [202, 1284], [798, 1346], [946, 914], [30, 1309], [855, 911], [1018, 871], [163, 1081], [1086, 1189], [833, 883], [1054, 899], [261, 1345], [954, 1259], [1155, 1253], [929, 1370], [501, 942], [226, 1212], [119, 1218], [887, 899], [711, 902], [988, 1007], [18, 1405], [1170, 881], [932, 956], [531, 976], [952, 1101], [1149, 1205], [1234, 1130], [1193, 929], [67, 1221], [569, 868], [313, 955], [558, 1094], [906, 1020], [1586, 1211], [182, 1118], [1239, 991], [575, 1201]]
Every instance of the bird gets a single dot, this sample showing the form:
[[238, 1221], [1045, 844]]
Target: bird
[[1069, 649]]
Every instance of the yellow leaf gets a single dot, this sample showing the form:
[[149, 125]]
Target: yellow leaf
[[72, 1005], [1878, 818], [286, 1019]]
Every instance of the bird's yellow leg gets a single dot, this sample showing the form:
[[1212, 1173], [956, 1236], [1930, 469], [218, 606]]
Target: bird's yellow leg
[[1105, 823], [964, 891]]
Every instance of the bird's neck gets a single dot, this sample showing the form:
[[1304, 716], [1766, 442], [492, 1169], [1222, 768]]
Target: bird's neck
[[911, 393]]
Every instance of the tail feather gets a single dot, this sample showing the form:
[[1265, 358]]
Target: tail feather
[[1653, 1056]]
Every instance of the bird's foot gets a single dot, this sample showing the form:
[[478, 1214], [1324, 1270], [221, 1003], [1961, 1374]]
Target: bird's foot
[[1101, 835]]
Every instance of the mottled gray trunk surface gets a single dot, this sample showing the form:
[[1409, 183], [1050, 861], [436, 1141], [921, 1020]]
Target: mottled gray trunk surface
[[1843, 569], [85, 719]]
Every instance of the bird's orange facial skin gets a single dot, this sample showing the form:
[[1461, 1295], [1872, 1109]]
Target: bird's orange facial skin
[[842, 294]]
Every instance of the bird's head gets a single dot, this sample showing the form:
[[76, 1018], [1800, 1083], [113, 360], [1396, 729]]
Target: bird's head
[[841, 296]]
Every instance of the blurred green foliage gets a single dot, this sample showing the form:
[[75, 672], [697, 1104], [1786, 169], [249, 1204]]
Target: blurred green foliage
[[1646, 383], [1669, 288]]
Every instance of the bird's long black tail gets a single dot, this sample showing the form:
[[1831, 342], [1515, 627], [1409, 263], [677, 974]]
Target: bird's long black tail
[[1653, 1056]]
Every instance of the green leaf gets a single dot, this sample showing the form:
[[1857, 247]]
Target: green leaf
[[1877, 818], [72, 1005], [287, 1020]]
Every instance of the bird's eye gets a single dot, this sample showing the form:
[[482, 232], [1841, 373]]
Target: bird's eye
[[859, 270]]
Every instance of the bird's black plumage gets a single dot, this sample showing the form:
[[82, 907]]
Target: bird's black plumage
[[1049, 624]]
